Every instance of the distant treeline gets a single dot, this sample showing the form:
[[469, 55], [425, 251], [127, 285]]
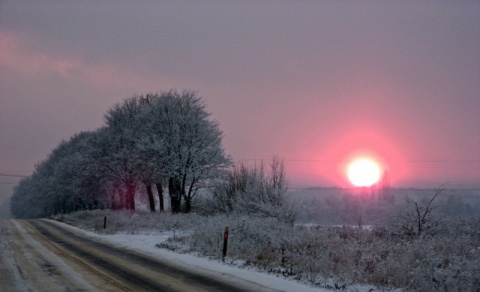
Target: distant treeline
[[329, 205]]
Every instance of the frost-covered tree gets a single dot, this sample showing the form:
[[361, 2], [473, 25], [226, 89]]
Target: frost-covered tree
[[60, 183], [22, 204], [76, 187], [184, 144], [384, 189], [116, 153], [165, 138], [157, 139]]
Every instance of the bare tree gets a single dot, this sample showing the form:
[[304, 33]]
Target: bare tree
[[417, 217]]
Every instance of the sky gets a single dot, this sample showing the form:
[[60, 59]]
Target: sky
[[317, 83]]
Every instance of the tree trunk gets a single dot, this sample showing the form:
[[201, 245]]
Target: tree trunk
[[112, 204], [151, 200], [119, 196], [188, 204], [124, 193], [130, 195], [160, 196], [174, 188], [188, 197]]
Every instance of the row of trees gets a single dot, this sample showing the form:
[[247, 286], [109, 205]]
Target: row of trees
[[165, 141]]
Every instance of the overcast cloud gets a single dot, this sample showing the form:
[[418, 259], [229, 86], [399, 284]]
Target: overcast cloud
[[311, 81]]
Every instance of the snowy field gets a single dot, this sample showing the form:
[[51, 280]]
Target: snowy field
[[446, 257]]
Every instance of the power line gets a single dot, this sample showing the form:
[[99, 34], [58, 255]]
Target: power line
[[344, 160], [393, 189], [12, 175]]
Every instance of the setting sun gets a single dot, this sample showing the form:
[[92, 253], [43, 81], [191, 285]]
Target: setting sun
[[363, 172]]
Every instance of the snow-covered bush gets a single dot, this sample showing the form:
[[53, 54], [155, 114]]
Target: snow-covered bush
[[417, 218], [252, 190], [449, 260]]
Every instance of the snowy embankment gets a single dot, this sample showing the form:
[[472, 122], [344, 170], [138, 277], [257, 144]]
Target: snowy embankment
[[148, 243], [447, 257]]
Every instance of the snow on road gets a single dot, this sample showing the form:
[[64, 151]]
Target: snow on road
[[146, 243], [27, 265]]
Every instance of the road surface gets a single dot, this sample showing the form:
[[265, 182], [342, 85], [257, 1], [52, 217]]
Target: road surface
[[41, 255]]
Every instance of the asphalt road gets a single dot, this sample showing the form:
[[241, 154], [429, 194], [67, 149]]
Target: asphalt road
[[40, 255]]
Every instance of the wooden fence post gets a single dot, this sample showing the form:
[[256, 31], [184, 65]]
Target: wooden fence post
[[225, 242]]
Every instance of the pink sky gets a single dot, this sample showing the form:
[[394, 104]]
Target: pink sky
[[313, 82]]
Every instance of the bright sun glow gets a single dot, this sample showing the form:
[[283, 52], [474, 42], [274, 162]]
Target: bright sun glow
[[363, 172]]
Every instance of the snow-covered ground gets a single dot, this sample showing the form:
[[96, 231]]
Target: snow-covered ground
[[146, 243]]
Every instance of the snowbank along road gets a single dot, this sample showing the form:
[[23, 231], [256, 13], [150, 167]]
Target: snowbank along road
[[41, 255]]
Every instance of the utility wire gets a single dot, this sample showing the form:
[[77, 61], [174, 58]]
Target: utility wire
[[13, 175]]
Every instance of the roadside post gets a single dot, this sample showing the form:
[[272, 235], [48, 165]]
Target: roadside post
[[225, 242]]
